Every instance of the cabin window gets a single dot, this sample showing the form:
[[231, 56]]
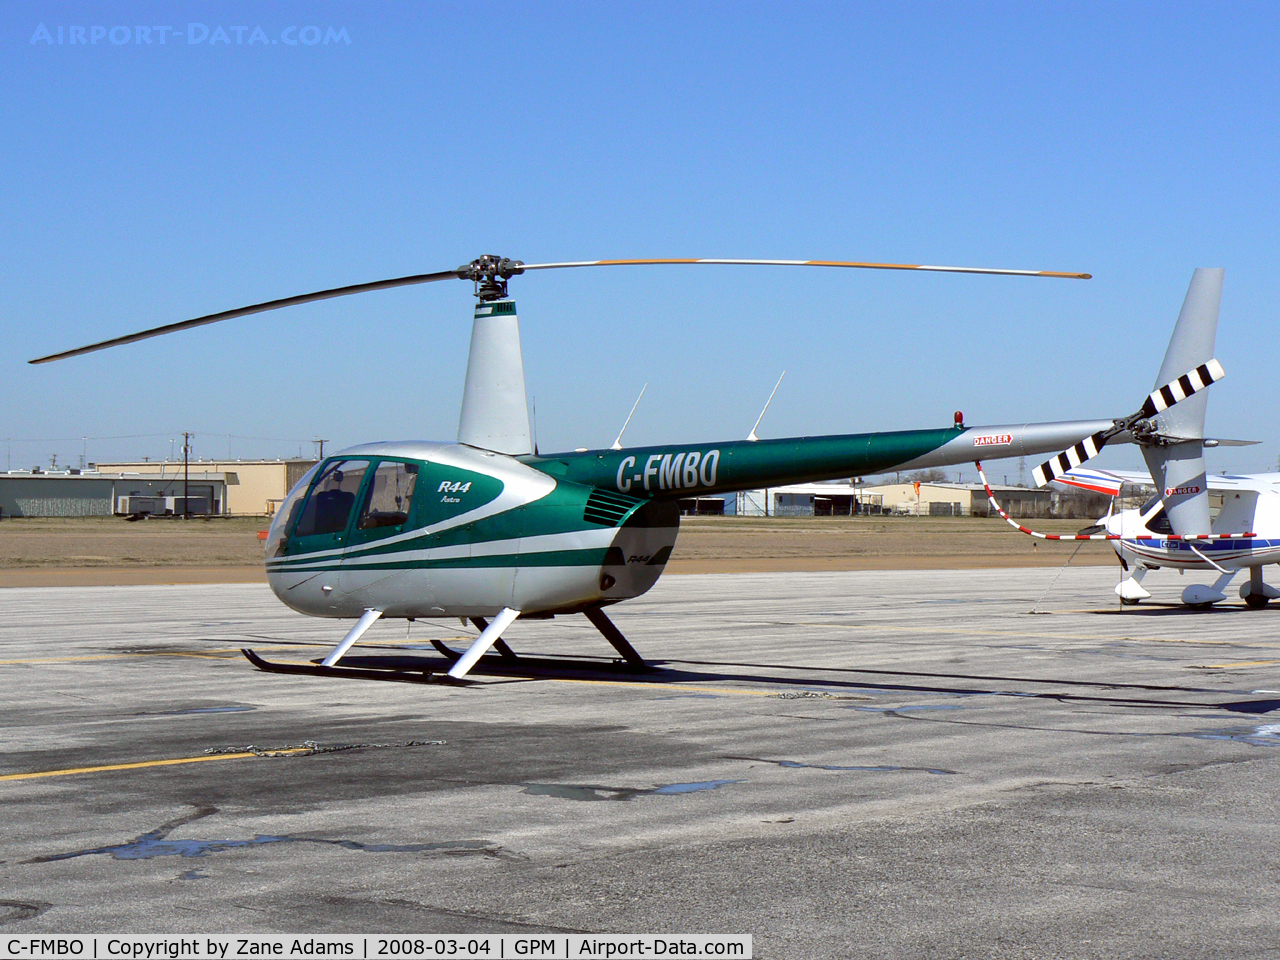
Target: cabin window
[[389, 495], [332, 498], [1158, 522]]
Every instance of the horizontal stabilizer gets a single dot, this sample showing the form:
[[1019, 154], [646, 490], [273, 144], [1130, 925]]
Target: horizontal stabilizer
[[1110, 481]]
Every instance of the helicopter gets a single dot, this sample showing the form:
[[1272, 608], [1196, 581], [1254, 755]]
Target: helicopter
[[488, 529]]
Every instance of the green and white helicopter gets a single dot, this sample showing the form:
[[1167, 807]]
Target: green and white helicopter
[[489, 530]]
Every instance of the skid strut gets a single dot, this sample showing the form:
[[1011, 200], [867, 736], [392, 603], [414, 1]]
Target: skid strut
[[364, 623], [500, 645], [615, 637], [488, 637]]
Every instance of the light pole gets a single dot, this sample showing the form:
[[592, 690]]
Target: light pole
[[186, 468]]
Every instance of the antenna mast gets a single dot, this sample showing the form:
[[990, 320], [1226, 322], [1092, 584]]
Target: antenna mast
[[752, 435], [617, 444]]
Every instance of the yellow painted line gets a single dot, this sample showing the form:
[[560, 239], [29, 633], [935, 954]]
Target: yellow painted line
[[142, 764], [207, 655]]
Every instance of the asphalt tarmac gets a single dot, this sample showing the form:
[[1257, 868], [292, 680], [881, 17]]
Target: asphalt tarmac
[[866, 764]]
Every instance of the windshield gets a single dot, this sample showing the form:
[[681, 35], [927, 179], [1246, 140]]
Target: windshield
[[329, 506], [285, 516], [1159, 522]]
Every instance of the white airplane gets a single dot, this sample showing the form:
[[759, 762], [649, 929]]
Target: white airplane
[[1246, 535], [1174, 528]]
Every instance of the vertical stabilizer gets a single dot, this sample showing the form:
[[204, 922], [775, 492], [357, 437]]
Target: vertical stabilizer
[[495, 413], [1178, 469]]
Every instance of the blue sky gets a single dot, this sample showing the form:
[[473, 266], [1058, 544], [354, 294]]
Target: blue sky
[[150, 183]]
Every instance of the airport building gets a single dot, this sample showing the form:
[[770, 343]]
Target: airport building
[[89, 493], [253, 487], [929, 499], [156, 488]]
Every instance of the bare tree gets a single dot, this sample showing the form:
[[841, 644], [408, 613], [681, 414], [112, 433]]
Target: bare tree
[[931, 475]]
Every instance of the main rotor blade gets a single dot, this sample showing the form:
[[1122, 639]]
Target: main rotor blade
[[490, 267], [813, 263], [256, 308]]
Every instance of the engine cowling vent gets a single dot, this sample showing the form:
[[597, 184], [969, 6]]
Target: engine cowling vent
[[608, 508]]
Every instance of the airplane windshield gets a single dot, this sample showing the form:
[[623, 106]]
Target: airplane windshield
[[332, 498], [1159, 522]]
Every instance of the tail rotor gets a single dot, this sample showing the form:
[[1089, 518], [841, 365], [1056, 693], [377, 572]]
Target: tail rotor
[[1141, 426]]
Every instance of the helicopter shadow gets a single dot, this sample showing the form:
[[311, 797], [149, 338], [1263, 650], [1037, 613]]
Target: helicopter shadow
[[690, 672]]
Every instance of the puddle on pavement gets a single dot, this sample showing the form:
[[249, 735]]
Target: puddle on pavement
[[671, 788], [1267, 735], [154, 844], [592, 792]]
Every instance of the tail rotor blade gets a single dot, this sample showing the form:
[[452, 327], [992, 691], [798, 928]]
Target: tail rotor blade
[[1175, 391], [1161, 399], [1069, 459]]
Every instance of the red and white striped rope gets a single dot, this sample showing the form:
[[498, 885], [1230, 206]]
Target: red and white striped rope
[[1102, 536]]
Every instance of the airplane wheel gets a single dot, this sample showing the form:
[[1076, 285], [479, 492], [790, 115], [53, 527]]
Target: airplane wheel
[[1128, 602], [1200, 606], [1256, 601]]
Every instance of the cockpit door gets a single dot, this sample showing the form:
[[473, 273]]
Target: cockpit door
[[384, 563], [324, 522]]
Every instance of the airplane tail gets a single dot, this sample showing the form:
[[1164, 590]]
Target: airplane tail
[[1176, 461], [1170, 425]]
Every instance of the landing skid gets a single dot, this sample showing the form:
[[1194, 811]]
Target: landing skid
[[427, 670], [505, 663], [421, 674]]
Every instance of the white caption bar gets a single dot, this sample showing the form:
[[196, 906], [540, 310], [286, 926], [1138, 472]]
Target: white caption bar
[[377, 946]]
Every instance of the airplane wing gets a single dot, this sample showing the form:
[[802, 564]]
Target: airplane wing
[[1100, 481], [1110, 481]]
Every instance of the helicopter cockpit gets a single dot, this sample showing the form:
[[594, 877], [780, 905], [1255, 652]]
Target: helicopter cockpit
[[317, 514]]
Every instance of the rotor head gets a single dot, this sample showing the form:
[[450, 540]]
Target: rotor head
[[490, 274]]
